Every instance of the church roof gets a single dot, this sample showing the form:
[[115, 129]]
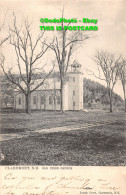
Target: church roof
[[49, 84], [52, 81]]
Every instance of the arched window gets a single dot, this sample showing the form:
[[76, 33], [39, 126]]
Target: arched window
[[50, 99], [73, 92], [73, 103]]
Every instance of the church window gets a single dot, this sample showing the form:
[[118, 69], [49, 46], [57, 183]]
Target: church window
[[73, 92], [34, 100], [19, 101], [73, 79], [58, 100], [73, 103], [50, 100], [42, 100]]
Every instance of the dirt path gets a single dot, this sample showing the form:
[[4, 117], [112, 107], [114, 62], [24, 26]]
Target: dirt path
[[56, 129]]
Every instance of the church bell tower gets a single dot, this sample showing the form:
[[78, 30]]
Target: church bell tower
[[75, 87]]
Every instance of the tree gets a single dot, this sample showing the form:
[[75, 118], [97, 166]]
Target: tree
[[63, 47], [7, 92], [110, 66], [122, 76], [3, 40], [28, 53]]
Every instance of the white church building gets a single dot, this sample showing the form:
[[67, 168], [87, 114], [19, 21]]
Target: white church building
[[47, 96]]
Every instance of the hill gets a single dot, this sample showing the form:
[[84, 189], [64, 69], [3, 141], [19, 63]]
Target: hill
[[96, 96]]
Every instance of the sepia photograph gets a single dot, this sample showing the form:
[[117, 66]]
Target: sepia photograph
[[62, 93]]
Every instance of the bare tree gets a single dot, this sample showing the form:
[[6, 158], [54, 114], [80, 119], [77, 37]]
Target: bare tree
[[6, 90], [64, 44], [122, 76], [3, 40], [28, 53], [110, 66]]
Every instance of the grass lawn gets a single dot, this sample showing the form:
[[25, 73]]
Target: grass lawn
[[92, 146]]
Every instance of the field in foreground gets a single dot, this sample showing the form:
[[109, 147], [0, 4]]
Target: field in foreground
[[92, 146]]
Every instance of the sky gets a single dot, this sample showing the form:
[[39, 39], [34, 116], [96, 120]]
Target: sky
[[111, 34]]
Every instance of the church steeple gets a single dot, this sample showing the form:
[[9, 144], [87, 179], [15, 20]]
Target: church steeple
[[76, 67]]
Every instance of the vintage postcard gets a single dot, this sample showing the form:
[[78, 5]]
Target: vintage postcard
[[62, 97]]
